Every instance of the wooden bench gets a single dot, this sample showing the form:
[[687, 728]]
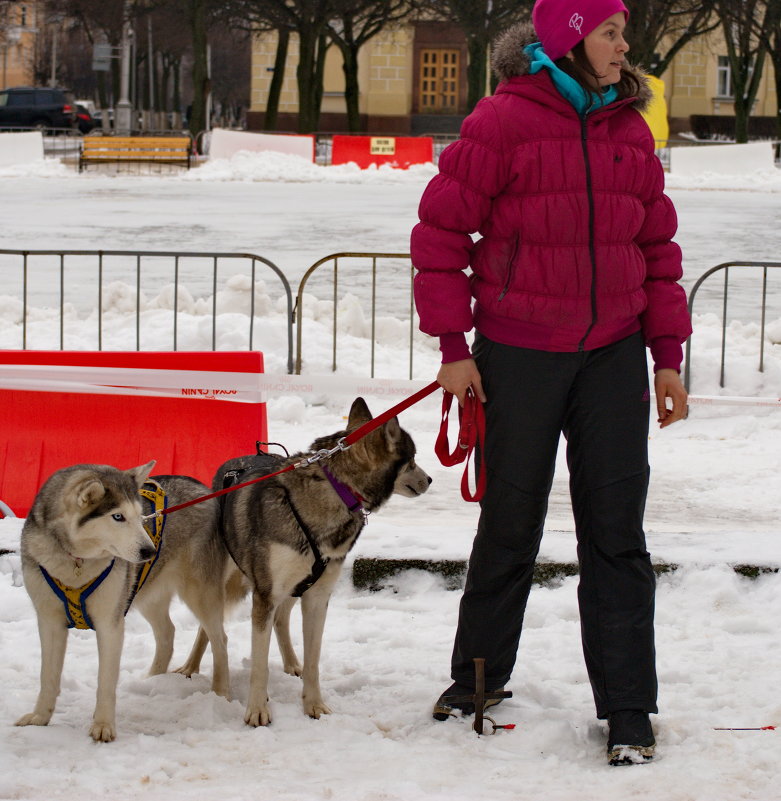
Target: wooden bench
[[135, 149]]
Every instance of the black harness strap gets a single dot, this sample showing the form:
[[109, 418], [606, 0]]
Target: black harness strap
[[319, 565], [232, 477]]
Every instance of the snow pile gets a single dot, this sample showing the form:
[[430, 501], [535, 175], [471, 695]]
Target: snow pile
[[269, 166], [759, 180], [48, 168]]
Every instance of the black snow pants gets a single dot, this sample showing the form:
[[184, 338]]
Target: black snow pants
[[600, 400]]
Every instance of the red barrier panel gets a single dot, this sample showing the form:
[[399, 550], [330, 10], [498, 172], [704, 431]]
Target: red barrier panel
[[398, 151], [190, 411]]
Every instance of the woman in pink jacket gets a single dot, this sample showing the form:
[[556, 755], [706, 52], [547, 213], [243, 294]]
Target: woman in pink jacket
[[573, 274]]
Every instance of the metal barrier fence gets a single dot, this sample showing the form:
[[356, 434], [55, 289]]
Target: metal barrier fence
[[726, 266], [334, 258], [294, 314], [102, 257]]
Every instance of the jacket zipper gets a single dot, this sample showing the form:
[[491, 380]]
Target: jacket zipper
[[592, 254], [510, 268]]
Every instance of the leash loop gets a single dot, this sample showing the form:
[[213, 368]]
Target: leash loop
[[471, 435]]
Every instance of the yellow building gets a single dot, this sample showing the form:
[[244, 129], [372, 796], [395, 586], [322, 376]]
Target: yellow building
[[20, 24], [699, 82], [413, 81]]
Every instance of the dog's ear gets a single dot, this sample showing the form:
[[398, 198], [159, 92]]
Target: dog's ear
[[141, 473], [88, 492], [359, 414], [392, 430]]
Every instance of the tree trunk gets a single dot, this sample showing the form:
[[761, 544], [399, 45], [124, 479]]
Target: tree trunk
[[741, 122], [777, 70], [745, 95], [115, 81], [351, 88], [476, 72], [309, 75], [103, 90], [278, 77], [304, 75], [200, 72], [177, 87], [322, 49]]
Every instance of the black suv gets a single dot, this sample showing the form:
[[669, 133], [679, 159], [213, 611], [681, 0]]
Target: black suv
[[30, 107]]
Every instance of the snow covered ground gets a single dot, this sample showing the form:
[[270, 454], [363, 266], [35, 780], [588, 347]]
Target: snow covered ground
[[715, 501]]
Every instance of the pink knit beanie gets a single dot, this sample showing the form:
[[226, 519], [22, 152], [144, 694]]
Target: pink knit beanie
[[561, 24]]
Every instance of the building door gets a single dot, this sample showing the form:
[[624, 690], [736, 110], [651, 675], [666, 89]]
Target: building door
[[438, 81]]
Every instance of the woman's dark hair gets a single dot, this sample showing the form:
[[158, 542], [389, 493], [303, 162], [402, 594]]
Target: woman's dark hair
[[581, 70]]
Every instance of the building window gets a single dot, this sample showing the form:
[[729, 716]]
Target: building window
[[439, 80], [723, 78]]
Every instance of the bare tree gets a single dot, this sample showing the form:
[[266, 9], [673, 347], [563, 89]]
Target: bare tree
[[231, 69], [255, 17], [745, 24], [197, 17], [658, 29], [171, 45], [308, 19], [770, 34], [481, 21], [355, 22], [100, 21]]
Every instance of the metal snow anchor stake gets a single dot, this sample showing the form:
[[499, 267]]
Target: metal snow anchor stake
[[480, 697]]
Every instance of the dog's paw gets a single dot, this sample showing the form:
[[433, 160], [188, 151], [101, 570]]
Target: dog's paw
[[223, 690], [187, 669], [315, 708], [103, 731], [33, 719], [293, 668], [257, 717]]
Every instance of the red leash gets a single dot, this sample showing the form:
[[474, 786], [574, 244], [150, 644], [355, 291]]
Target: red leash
[[471, 432], [343, 444]]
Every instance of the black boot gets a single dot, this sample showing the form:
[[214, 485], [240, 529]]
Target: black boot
[[454, 700], [631, 738]]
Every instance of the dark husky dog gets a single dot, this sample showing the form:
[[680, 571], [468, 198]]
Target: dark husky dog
[[290, 534]]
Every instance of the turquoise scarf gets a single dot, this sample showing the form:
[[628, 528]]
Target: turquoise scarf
[[583, 100]]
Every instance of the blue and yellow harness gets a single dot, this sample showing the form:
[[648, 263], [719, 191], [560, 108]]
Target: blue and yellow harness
[[74, 599]]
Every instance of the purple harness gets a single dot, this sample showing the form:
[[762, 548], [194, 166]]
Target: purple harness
[[351, 501], [349, 498]]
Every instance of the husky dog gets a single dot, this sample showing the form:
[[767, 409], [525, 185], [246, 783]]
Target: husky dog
[[290, 534], [83, 546]]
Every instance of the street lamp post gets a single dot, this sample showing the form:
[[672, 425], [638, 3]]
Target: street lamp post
[[124, 111]]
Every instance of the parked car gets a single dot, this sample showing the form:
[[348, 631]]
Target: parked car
[[33, 107], [97, 115], [88, 104], [84, 120]]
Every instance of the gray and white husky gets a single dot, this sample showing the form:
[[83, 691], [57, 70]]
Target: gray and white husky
[[290, 534], [83, 546]]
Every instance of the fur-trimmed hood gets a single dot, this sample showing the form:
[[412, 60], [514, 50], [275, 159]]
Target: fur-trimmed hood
[[509, 60]]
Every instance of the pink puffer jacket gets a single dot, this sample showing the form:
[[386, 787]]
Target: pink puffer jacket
[[575, 248]]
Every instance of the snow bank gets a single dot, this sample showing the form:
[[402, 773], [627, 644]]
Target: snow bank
[[246, 166]]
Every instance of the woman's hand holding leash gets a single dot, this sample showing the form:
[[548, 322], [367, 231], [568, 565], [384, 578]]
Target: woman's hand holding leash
[[458, 377], [668, 384]]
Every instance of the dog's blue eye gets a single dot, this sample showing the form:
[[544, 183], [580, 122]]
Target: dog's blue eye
[[118, 516]]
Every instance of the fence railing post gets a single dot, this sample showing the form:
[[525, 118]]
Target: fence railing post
[[298, 312], [726, 266]]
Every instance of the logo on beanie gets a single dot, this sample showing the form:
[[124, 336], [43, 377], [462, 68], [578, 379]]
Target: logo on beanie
[[576, 22]]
